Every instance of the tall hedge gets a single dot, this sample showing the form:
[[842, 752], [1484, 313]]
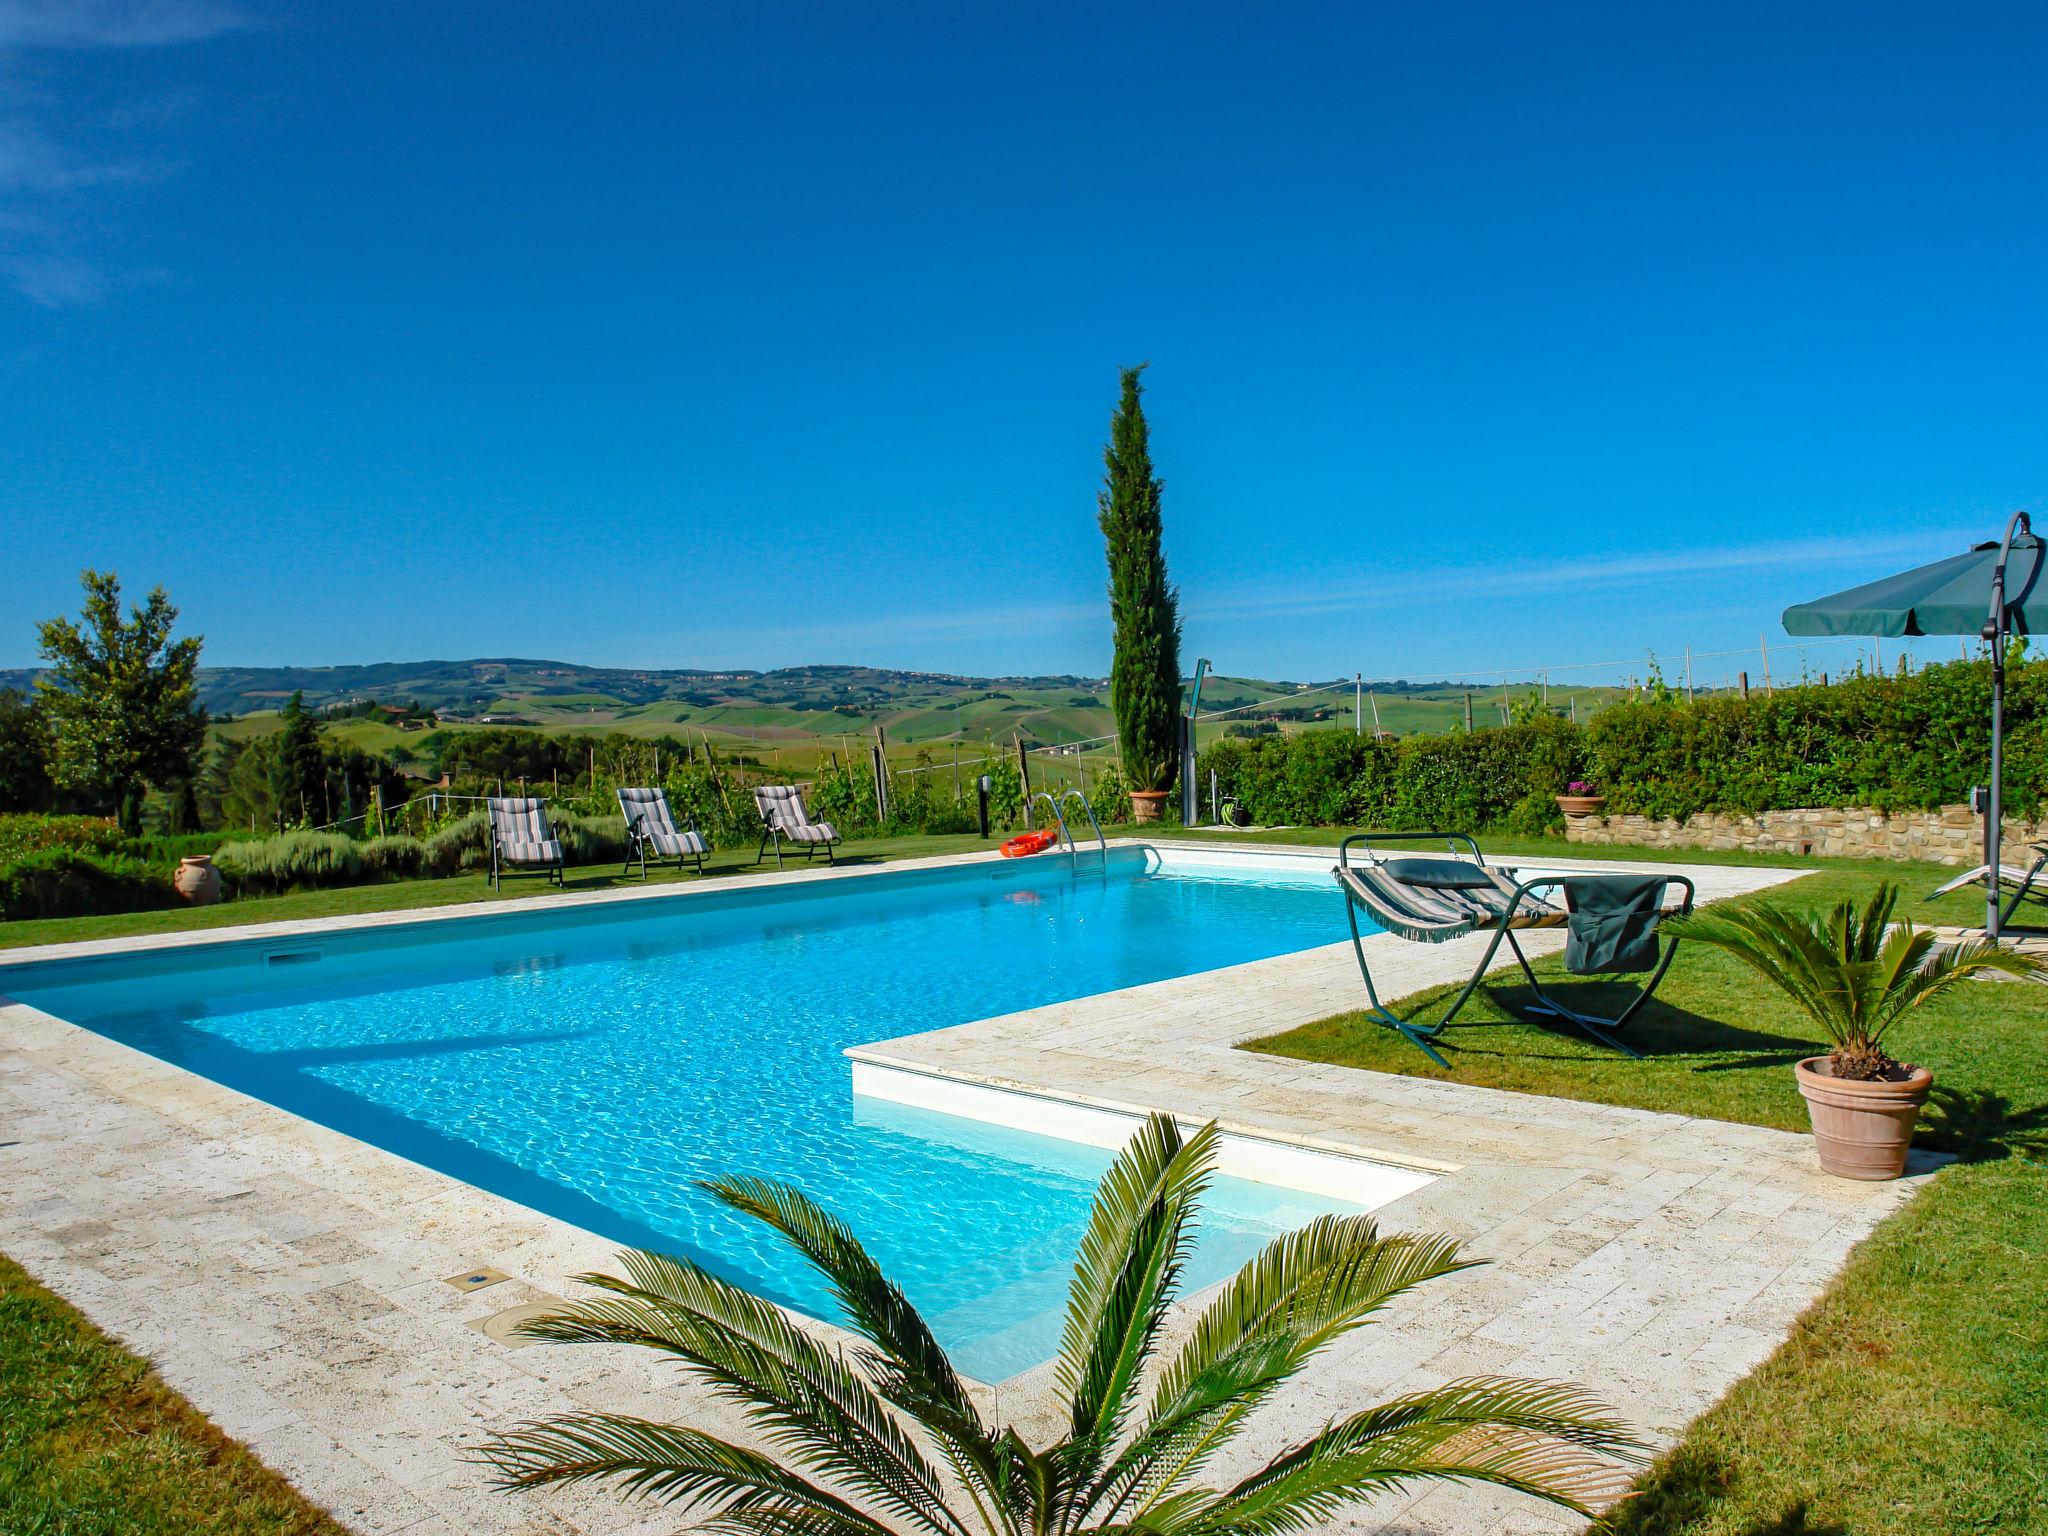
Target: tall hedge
[[1893, 743], [1496, 778]]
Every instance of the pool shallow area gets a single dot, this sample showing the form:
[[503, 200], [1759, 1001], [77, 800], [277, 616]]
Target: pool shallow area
[[592, 1061]]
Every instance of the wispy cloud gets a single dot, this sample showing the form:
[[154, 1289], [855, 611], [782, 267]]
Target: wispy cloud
[[1397, 586], [43, 177], [1070, 624], [113, 23]]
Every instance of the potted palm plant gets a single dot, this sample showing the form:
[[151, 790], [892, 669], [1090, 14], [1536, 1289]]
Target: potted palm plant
[[1855, 975], [888, 1437]]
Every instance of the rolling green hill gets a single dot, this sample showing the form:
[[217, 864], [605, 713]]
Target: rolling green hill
[[793, 717]]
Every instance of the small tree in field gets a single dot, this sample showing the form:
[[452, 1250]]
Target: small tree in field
[[1144, 608], [298, 771], [120, 698]]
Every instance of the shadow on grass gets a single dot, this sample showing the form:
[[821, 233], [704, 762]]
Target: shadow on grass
[[1661, 1029], [1978, 1126], [1691, 1489]]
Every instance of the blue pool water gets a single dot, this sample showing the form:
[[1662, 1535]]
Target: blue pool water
[[593, 1062]]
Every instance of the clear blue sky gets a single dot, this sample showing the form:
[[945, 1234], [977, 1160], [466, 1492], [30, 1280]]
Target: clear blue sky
[[754, 333]]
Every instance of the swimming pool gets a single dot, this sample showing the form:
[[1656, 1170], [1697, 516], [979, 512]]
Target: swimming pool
[[592, 1060]]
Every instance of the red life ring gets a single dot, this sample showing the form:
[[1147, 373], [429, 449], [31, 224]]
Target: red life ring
[[1027, 843]]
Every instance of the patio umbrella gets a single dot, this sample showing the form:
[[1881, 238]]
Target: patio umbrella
[[1985, 593]]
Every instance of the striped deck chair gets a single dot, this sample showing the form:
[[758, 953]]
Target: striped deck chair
[[651, 829], [1611, 922], [522, 839], [783, 819]]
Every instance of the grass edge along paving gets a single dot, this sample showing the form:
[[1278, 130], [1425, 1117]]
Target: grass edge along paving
[[426, 893], [94, 1443]]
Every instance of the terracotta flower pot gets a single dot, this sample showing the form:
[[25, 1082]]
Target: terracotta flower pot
[[197, 880], [1146, 804], [1861, 1130], [1581, 805]]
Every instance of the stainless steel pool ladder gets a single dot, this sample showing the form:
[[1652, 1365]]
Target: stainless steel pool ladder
[[1066, 832]]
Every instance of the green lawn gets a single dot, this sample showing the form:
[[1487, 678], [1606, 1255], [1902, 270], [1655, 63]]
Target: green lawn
[[93, 1444], [1914, 1396], [397, 895]]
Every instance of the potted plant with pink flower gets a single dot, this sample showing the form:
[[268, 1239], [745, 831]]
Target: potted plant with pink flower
[[1581, 798]]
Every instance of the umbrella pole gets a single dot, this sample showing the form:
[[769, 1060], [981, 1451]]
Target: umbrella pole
[[1994, 632], [1994, 835]]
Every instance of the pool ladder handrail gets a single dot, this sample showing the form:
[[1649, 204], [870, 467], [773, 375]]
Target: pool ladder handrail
[[1089, 811], [1059, 818]]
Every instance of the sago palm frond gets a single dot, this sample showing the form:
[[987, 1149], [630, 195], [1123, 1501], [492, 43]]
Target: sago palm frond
[[907, 1364], [1851, 971], [1125, 1275], [665, 1461], [1541, 1438], [1303, 1291], [803, 1395], [861, 1428]]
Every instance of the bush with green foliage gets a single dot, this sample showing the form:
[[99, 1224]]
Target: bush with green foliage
[[1893, 743], [1502, 778], [77, 866], [67, 882], [23, 835], [291, 860], [74, 866], [392, 857]]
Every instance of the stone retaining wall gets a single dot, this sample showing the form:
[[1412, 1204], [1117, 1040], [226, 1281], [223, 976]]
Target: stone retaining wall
[[1952, 835]]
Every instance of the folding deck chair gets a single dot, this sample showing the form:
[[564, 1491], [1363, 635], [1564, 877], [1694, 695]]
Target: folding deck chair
[[2023, 883], [1612, 922], [522, 839], [651, 829], [783, 819]]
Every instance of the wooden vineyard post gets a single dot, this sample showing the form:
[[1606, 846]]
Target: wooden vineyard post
[[881, 777]]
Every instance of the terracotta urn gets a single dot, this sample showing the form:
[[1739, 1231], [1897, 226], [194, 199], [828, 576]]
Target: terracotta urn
[[1862, 1130], [197, 880], [1146, 804], [1581, 805]]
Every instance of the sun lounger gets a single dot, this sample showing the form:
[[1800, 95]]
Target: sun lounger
[[1611, 923], [522, 839], [651, 832], [2021, 882], [783, 819]]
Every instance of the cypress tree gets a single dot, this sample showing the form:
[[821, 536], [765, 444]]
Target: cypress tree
[[298, 773], [1144, 608]]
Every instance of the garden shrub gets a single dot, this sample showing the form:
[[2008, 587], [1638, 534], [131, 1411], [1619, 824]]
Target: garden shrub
[[590, 839], [26, 834], [1911, 742], [1109, 797], [392, 857], [464, 843], [72, 882], [291, 860]]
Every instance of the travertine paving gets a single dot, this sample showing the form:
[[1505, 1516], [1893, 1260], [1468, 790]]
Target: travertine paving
[[293, 1281]]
